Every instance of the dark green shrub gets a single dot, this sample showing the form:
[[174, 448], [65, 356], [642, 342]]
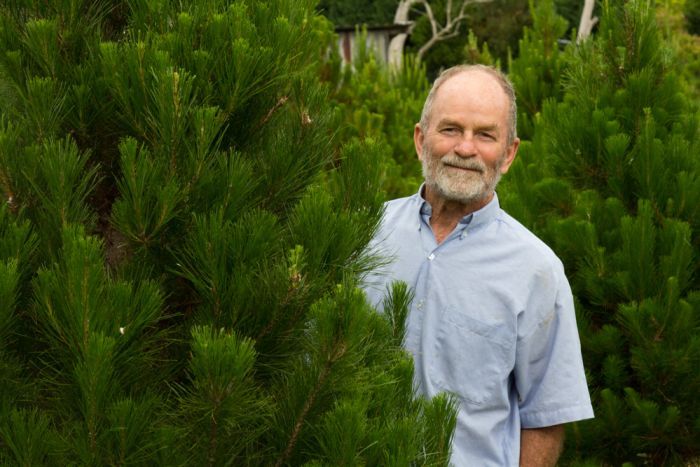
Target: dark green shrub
[[691, 11], [180, 237], [611, 180]]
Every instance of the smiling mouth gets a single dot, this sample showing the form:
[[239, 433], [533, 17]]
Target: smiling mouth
[[466, 169]]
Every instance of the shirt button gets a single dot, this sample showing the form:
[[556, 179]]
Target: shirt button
[[419, 305], [432, 256]]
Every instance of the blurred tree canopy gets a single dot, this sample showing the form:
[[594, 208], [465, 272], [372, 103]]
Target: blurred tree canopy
[[500, 23], [180, 234], [351, 12]]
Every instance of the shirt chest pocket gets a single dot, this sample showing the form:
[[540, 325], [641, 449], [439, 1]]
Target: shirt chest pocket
[[472, 359]]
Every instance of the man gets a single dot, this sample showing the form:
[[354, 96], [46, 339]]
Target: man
[[492, 320]]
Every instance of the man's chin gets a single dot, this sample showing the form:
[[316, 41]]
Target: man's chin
[[460, 195]]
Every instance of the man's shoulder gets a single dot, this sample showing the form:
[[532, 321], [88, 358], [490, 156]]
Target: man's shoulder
[[528, 243], [399, 209], [402, 203]]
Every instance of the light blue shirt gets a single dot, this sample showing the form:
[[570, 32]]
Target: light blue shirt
[[492, 321]]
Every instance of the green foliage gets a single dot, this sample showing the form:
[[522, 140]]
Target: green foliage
[[571, 11], [500, 23], [440, 414], [536, 72], [687, 46], [691, 11], [175, 220], [29, 438], [395, 306], [59, 183], [9, 280], [497, 25], [356, 12], [222, 401], [610, 180], [474, 55], [98, 340], [18, 245], [383, 104], [343, 334]]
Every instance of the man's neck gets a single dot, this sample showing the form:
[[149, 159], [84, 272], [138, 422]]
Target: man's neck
[[446, 214]]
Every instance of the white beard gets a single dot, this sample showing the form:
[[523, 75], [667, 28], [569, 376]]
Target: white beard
[[462, 186]]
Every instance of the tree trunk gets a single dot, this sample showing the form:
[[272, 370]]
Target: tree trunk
[[397, 42], [587, 21]]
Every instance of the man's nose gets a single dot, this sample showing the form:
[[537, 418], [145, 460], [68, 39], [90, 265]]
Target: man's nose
[[465, 147]]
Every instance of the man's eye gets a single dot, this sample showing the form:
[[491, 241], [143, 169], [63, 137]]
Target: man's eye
[[489, 136], [449, 130]]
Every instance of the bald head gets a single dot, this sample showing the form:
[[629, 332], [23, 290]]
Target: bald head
[[494, 73]]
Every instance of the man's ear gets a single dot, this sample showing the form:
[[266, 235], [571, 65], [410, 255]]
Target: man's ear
[[418, 140], [511, 151]]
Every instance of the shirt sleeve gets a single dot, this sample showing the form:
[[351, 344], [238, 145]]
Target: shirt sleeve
[[549, 374]]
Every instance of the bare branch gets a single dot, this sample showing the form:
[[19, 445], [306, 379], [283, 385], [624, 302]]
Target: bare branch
[[425, 47], [439, 32], [402, 10], [434, 26], [448, 12], [587, 21], [454, 33]]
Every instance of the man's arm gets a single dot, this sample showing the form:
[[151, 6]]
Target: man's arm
[[541, 447]]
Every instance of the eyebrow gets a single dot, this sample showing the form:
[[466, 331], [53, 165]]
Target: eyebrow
[[489, 128], [450, 122]]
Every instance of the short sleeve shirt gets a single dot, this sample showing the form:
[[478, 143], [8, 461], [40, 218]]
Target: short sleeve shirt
[[492, 321]]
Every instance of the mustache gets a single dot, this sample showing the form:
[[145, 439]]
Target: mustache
[[468, 164]]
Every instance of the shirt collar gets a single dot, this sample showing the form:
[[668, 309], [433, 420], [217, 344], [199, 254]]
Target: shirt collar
[[475, 219]]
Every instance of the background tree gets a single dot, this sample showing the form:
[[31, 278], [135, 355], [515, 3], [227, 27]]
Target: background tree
[[358, 12], [179, 239], [611, 181], [608, 175], [691, 11], [587, 21], [572, 10], [536, 72], [382, 103], [673, 27], [474, 54], [498, 24], [443, 24]]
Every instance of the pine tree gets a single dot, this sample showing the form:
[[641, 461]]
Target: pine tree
[[536, 71], [179, 245], [611, 181], [378, 102], [473, 54]]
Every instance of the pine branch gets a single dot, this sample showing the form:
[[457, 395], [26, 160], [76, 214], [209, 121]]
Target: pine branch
[[296, 284], [334, 357], [212, 436], [280, 102]]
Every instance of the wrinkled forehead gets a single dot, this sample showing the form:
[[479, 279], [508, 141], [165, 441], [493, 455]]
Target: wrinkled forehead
[[474, 91], [473, 82]]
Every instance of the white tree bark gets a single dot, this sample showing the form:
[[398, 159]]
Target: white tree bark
[[587, 21], [452, 25], [397, 42], [439, 32]]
